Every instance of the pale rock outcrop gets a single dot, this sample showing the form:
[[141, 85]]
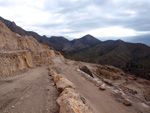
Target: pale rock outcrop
[[63, 83], [52, 72], [13, 62], [19, 53], [41, 57], [70, 101], [57, 77], [12, 41]]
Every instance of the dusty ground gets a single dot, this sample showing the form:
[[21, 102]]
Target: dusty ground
[[100, 101], [31, 92]]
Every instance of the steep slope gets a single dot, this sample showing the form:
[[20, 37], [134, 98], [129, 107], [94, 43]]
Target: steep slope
[[14, 28], [18, 53], [134, 58]]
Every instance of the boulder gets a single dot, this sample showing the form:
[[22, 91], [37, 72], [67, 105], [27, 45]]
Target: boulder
[[71, 93], [57, 77], [70, 101], [102, 87], [52, 72], [127, 102], [63, 83]]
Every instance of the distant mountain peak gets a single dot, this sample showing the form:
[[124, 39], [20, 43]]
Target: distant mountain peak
[[119, 40], [88, 36], [58, 38], [89, 40]]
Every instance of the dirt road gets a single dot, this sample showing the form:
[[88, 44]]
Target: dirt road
[[30, 92], [100, 101], [33, 92]]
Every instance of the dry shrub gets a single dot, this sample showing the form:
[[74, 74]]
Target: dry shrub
[[107, 74]]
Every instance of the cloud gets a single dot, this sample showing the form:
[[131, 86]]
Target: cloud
[[73, 18]]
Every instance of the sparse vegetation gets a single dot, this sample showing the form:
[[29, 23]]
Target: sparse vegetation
[[106, 74]]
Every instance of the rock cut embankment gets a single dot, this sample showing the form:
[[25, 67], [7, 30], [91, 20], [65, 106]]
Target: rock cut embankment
[[18, 53]]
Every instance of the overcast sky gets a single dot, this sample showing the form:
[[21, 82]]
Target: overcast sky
[[105, 19]]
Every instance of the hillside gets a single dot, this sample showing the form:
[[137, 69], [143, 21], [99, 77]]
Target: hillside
[[132, 58], [14, 28]]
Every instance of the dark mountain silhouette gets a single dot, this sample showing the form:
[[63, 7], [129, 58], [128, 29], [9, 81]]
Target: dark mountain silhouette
[[64, 45], [59, 43], [84, 42]]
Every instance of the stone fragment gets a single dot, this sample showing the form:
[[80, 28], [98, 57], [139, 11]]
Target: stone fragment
[[63, 83]]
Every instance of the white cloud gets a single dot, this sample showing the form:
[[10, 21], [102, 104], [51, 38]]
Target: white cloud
[[75, 18]]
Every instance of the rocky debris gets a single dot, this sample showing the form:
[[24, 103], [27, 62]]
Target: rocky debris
[[127, 102], [70, 101], [118, 95], [63, 83], [52, 72], [102, 87], [128, 90], [57, 77]]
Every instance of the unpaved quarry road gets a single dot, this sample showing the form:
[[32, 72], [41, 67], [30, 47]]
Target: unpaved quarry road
[[30, 92], [100, 101]]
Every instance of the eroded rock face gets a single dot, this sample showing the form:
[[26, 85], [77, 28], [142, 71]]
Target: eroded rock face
[[18, 53], [14, 62], [70, 101], [11, 41], [63, 83]]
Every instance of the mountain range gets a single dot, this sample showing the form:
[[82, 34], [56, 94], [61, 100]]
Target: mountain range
[[131, 57]]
